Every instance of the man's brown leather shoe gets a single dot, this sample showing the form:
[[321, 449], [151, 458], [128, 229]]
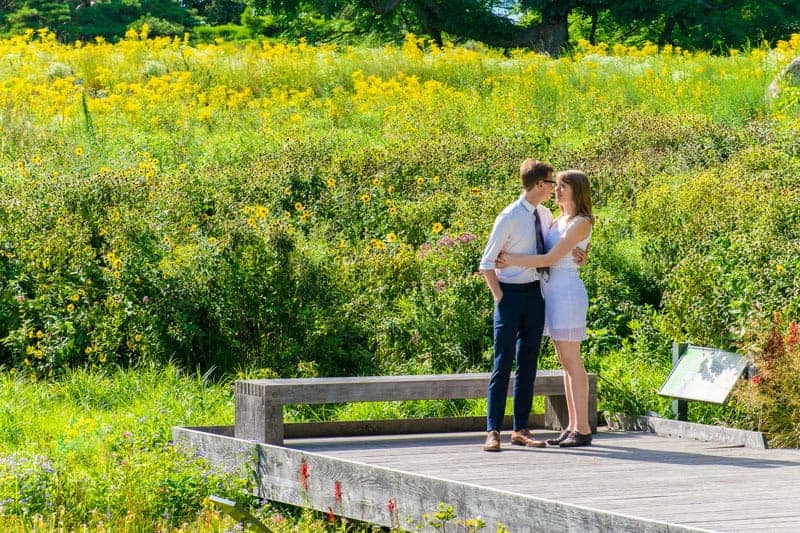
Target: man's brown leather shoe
[[523, 438], [492, 443]]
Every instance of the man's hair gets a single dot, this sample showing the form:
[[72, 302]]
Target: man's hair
[[533, 171]]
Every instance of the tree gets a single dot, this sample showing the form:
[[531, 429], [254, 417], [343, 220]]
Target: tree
[[708, 24], [481, 20], [112, 18], [216, 12], [35, 14]]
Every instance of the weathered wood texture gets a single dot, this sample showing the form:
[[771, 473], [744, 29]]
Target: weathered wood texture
[[391, 480], [259, 403], [688, 430], [673, 480]]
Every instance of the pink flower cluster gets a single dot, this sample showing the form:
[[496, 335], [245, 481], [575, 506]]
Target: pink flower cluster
[[446, 242]]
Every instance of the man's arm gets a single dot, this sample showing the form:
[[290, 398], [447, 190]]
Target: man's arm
[[494, 284], [497, 239]]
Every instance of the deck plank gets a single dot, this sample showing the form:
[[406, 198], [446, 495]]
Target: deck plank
[[679, 481]]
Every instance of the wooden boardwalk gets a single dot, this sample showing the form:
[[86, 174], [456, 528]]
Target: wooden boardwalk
[[625, 481]]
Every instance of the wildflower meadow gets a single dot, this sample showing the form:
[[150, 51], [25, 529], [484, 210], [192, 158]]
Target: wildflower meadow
[[174, 215]]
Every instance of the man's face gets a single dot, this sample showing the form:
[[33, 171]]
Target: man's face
[[546, 186]]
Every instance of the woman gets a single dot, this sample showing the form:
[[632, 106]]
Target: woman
[[565, 297]]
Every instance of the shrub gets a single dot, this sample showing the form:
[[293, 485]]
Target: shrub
[[770, 399]]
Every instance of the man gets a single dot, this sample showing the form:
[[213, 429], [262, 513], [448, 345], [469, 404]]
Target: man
[[519, 306]]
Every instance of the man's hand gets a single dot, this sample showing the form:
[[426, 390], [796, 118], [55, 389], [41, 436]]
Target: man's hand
[[581, 257], [500, 262], [498, 297]]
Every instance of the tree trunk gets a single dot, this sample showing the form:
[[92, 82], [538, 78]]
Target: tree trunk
[[593, 31], [666, 33], [429, 18], [550, 37]]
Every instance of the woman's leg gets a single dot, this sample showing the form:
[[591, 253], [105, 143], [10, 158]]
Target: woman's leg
[[567, 392], [577, 382]]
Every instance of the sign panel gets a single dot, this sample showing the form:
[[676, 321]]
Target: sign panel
[[704, 374]]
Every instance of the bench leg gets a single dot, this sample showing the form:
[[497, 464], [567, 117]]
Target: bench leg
[[556, 413], [258, 420]]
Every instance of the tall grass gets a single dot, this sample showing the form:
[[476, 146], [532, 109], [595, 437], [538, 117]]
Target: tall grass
[[93, 450]]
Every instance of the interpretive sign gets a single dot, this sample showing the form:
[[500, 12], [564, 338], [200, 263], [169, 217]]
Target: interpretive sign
[[704, 374]]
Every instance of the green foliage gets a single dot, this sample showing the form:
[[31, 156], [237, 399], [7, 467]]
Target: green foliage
[[99, 454], [227, 32], [722, 242], [109, 19], [52, 14], [219, 12]]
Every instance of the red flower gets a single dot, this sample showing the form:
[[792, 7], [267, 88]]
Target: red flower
[[304, 474], [755, 380], [337, 490], [330, 516], [391, 506]]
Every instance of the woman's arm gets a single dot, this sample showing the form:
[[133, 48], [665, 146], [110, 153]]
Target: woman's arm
[[576, 232]]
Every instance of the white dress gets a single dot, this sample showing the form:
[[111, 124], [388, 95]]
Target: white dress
[[565, 299]]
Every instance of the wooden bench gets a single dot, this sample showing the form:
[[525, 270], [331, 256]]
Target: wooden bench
[[259, 402]]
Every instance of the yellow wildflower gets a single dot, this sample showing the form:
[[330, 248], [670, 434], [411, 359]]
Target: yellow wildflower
[[391, 237], [78, 151], [437, 228]]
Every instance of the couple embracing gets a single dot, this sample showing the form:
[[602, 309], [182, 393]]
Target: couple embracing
[[531, 266]]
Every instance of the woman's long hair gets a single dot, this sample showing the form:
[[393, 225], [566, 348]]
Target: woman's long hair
[[579, 183]]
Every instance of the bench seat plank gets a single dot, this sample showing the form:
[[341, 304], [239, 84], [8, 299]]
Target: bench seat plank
[[386, 388], [259, 402]]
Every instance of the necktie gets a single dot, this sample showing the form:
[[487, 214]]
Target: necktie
[[544, 272]]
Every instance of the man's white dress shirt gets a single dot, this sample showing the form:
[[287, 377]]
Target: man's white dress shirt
[[514, 233]]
